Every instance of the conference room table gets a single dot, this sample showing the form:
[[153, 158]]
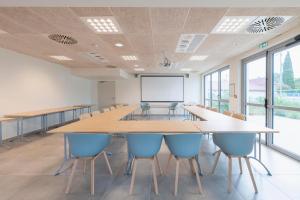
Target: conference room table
[[44, 116], [3, 119], [218, 123], [113, 122]]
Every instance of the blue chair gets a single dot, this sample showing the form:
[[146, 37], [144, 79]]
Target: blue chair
[[238, 145], [87, 146], [144, 146], [184, 146], [145, 106], [172, 108]]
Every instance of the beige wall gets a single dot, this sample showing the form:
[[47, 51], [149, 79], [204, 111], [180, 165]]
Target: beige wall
[[235, 66]]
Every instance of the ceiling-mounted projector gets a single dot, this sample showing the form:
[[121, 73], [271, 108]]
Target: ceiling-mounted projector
[[166, 63]]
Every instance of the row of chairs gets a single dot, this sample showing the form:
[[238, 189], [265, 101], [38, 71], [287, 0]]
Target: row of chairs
[[147, 145], [97, 112]]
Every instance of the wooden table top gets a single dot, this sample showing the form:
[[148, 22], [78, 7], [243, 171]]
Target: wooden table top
[[2, 119], [41, 112], [215, 122]]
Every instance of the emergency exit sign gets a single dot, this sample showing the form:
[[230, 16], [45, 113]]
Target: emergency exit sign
[[263, 45]]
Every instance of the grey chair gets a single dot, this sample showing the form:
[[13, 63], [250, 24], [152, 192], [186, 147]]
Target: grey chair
[[172, 108]]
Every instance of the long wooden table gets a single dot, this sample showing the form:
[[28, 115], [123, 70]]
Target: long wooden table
[[3, 119], [218, 123], [44, 116], [111, 122]]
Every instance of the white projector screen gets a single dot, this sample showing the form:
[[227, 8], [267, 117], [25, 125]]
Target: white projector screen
[[162, 88]]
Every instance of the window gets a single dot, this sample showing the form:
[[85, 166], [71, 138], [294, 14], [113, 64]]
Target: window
[[216, 89], [272, 94]]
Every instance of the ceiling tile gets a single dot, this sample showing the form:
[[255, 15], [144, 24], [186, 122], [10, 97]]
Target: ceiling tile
[[168, 20], [203, 20], [133, 20]]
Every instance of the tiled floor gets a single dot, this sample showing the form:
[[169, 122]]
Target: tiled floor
[[26, 172]]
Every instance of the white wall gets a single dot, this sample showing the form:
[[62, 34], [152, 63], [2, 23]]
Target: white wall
[[129, 91], [235, 66], [28, 84]]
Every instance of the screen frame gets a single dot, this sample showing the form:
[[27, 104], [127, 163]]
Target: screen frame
[[161, 76]]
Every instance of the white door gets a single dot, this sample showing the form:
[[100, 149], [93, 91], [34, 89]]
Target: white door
[[106, 94]]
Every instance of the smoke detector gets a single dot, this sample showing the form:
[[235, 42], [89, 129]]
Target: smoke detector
[[265, 24], [62, 39], [189, 43]]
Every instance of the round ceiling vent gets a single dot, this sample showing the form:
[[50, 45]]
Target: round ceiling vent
[[265, 24], [62, 39]]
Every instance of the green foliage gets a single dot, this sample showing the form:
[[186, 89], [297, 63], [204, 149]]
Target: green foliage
[[287, 72]]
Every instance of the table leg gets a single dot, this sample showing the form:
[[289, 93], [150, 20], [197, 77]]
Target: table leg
[[259, 155], [0, 133], [67, 157], [129, 164]]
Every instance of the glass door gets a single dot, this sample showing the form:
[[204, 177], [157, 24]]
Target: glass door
[[285, 107], [255, 90], [215, 90]]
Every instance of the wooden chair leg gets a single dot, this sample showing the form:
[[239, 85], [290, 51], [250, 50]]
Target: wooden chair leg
[[216, 161], [158, 165], [84, 166], [191, 166], [154, 177], [251, 174], [93, 176], [168, 163], [176, 177], [133, 177], [71, 176], [194, 163], [107, 163], [229, 174], [240, 164]]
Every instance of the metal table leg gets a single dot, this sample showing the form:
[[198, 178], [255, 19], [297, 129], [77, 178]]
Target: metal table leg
[[67, 157], [259, 155]]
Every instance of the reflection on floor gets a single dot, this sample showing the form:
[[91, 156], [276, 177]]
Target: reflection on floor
[[26, 172]]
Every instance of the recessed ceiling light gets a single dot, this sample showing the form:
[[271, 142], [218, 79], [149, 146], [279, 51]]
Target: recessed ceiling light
[[102, 25], [198, 57], [185, 69], [139, 69], [233, 24], [61, 57], [129, 58], [119, 45], [136, 65]]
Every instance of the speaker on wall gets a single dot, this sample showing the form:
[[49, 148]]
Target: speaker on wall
[[187, 75], [136, 75]]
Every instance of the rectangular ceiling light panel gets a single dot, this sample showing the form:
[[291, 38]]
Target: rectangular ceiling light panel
[[233, 24], [189, 43], [102, 25], [129, 58], [198, 57]]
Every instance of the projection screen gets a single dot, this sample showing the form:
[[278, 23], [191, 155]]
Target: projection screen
[[162, 88]]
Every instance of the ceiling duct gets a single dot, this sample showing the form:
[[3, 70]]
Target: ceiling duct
[[62, 39], [95, 57], [189, 43], [265, 24]]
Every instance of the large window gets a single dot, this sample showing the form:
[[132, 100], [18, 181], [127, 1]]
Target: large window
[[272, 94], [216, 87]]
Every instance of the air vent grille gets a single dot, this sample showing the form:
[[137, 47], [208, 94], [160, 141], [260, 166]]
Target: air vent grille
[[95, 57], [265, 24], [62, 39], [189, 43]]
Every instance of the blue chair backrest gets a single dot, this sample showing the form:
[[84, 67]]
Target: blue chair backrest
[[88, 145], [145, 105], [235, 144], [184, 145], [173, 105], [144, 144]]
